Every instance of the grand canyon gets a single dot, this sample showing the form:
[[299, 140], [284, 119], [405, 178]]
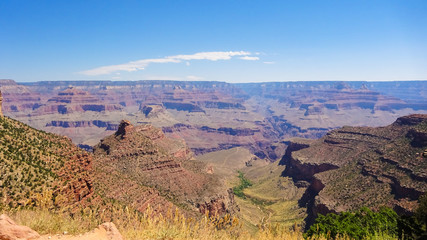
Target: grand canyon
[[306, 148], [211, 116], [233, 120]]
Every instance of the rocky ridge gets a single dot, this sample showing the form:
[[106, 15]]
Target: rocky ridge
[[140, 166], [353, 167]]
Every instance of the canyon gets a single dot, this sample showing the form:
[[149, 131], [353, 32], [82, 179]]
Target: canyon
[[182, 144], [211, 116], [137, 167], [352, 167]]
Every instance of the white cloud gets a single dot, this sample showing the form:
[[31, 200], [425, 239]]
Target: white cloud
[[212, 56], [269, 62], [249, 58], [141, 64], [194, 78], [187, 63]]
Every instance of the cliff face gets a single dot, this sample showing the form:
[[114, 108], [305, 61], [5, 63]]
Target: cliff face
[[74, 100], [155, 170], [18, 98], [353, 167]]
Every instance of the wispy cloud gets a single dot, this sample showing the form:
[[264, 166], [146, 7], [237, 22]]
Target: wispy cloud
[[143, 63], [269, 62], [249, 58]]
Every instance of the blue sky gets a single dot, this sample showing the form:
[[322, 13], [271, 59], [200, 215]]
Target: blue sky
[[233, 41]]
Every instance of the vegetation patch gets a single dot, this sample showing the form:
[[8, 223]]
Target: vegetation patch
[[244, 183], [366, 224]]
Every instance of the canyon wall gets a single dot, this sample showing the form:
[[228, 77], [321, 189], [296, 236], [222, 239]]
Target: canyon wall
[[351, 167]]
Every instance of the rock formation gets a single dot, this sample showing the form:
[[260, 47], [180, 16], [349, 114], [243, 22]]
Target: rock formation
[[74, 100], [9, 230], [353, 167], [18, 99], [140, 166]]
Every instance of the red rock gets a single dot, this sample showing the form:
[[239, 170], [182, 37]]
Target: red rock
[[9, 230], [353, 167], [153, 168]]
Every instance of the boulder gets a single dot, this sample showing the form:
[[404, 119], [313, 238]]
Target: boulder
[[111, 231], [9, 230]]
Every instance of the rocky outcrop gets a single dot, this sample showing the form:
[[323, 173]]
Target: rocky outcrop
[[151, 110], [9, 230], [155, 170], [218, 205], [353, 167]]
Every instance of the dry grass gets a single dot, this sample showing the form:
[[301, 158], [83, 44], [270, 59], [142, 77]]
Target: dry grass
[[134, 225]]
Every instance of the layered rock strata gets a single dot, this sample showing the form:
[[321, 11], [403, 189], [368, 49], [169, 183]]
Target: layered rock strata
[[154, 170], [353, 167]]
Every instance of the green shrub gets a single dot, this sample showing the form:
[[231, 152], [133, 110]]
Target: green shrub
[[244, 183], [361, 224], [421, 212]]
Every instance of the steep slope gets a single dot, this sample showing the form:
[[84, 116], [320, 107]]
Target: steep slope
[[353, 167], [33, 162], [139, 166]]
